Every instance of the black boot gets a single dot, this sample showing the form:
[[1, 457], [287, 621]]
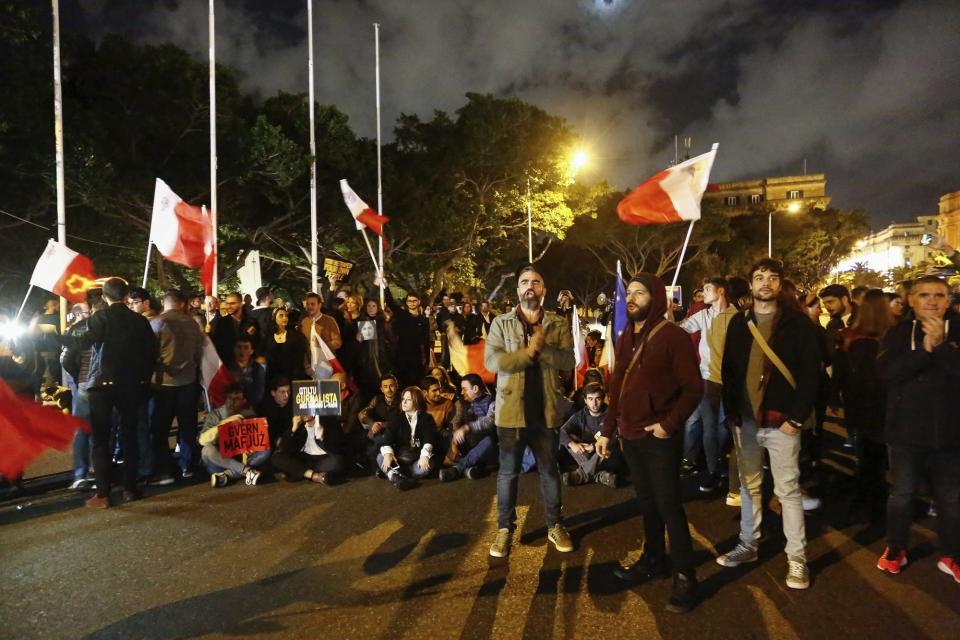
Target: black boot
[[646, 568], [685, 594]]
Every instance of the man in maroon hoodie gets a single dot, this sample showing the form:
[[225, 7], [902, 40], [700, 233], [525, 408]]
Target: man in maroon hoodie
[[656, 385]]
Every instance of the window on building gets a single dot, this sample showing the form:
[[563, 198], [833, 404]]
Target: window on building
[[731, 201], [794, 195], [756, 198]]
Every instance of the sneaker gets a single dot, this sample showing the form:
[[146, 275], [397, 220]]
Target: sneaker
[[932, 510], [687, 468], [810, 503], [607, 479], [892, 560], [950, 567], [646, 568], [798, 576], [79, 484], [501, 544], [733, 499], [449, 474], [558, 535], [573, 478], [97, 502], [741, 554], [160, 481], [131, 496], [186, 474], [475, 473], [220, 479], [685, 594], [709, 483], [251, 476]]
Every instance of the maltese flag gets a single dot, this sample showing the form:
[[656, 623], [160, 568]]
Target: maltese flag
[[363, 215], [181, 232], [64, 272], [672, 195]]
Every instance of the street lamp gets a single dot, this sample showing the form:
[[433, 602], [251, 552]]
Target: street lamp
[[793, 207], [578, 161]]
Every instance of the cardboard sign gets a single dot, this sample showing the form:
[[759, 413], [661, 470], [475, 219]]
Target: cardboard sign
[[367, 330], [316, 398], [334, 266], [243, 436]]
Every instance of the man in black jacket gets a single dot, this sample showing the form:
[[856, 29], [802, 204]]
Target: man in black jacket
[[412, 329], [920, 361], [123, 357], [767, 400]]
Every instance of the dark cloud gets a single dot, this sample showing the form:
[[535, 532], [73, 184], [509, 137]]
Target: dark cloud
[[867, 92]]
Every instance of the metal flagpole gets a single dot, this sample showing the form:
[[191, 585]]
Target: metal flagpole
[[376, 49], [24, 303], [529, 227], [214, 212], [146, 264], [58, 139], [683, 252], [314, 279]]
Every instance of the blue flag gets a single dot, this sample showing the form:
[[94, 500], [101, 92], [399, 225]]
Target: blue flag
[[619, 305]]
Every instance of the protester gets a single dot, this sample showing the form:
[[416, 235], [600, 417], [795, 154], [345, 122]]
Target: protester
[[836, 299], [246, 371], [262, 314], [379, 410], [442, 409], [770, 371], [472, 443], [76, 363], [224, 330], [896, 305], [527, 349], [121, 364], [655, 387], [223, 470], [412, 329], [176, 389], [315, 320], [408, 442], [276, 408], [920, 359], [284, 351], [486, 318], [312, 449], [578, 436]]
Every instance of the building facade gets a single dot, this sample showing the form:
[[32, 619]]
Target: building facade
[[786, 193], [896, 246], [949, 219]]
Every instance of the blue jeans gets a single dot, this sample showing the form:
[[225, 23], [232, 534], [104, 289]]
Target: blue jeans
[[907, 465], [544, 443], [215, 463], [82, 441], [412, 470], [477, 454]]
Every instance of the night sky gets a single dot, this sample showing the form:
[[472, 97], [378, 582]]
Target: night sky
[[867, 91]]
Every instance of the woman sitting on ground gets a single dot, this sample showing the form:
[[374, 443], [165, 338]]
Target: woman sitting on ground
[[408, 442]]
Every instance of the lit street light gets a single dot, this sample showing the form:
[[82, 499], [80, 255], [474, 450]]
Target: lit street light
[[578, 161], [793, 207]]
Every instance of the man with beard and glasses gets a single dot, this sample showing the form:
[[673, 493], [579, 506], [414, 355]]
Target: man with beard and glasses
[[655, 387], [528, 348], [770, 371]]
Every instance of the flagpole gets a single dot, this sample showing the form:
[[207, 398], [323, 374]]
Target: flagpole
[[314, 279], [529, 227], [146, 265], [24, 303], [211, 28], [58, 140], [683, 251], [376, 49], [363, 232]]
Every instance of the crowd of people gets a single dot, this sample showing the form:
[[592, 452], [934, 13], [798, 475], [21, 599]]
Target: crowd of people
[[740, 383]]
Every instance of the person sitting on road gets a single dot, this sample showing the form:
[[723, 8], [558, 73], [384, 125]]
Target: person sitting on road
[[408, 442], [276, 407], [441, 408], [246, 371], [223, 470], [472, 437], [578, 437], [373, 418]]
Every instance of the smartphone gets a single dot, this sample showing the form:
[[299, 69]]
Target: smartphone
[[926, 239]]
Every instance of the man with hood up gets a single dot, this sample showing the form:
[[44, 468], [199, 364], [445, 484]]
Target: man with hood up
[[655, 387]]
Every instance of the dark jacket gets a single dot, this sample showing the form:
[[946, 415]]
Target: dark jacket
[[278, 418], [224, 331], [922, 386], [123, 348], [856, 377], [76, 361], [794, 340], [413, 336], [472, 329], [478, 415], [582, 427], [664, 386], [397, 435], [292, 442]]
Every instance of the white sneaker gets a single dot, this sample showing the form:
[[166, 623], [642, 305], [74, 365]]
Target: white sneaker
[[733, 499], [252, 475], [810, 503], [741, 554], [798, 576]]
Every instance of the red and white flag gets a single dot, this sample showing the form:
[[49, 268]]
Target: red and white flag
[[607, 356], [579, 351], [323, 362], [672, 195], [363, 215], [214, 375], [181, 232], [64, 272]]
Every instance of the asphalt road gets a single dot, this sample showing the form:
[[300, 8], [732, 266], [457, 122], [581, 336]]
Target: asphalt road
[[363, 561]]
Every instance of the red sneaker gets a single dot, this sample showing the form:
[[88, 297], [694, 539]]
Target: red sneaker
[[950, 567], [892, 560]]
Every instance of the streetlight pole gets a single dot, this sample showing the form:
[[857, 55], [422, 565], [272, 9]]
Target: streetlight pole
[[529, 227]]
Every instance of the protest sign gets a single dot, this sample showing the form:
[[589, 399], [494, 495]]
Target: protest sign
[[338, 267], [316, 397], [243, 436]]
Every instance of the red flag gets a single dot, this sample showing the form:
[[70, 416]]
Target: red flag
[[362, 214], [64, 272], [670, 196], [27, 428], [181, 232], [206, 272], [214, 375]]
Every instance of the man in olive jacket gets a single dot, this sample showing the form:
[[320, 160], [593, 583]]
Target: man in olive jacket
[[527, 348]]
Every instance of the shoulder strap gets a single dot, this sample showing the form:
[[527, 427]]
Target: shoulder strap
[[774, 358], [636, 356]]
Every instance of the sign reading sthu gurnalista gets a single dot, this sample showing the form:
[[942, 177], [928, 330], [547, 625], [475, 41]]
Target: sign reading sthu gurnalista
[[316, 397]]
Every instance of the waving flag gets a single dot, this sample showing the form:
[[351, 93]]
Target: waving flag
[[214, 375], [619, 305], [607, 359], [64, 272], [181, 232], [323, 362], [467, 358], [672, 195], [579, 351], [363, 215]]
